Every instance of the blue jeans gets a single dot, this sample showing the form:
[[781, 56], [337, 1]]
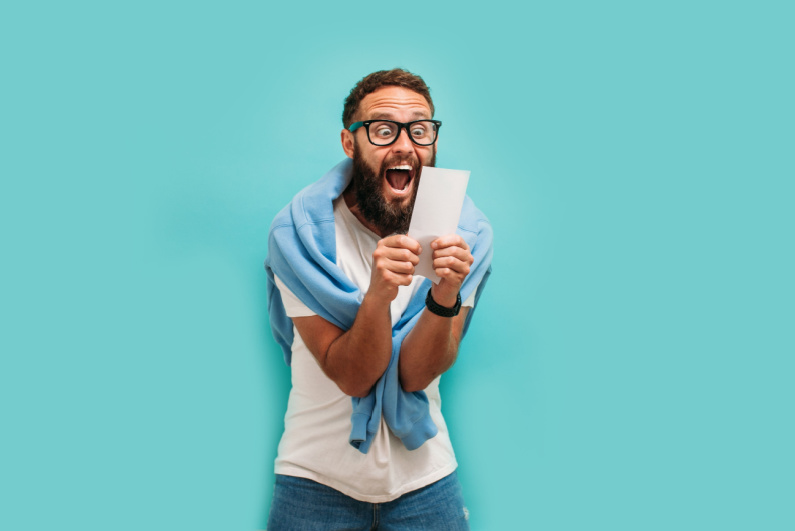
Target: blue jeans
[[301, 504]]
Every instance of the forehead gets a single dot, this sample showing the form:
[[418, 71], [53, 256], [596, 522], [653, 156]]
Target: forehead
[[394, 102]]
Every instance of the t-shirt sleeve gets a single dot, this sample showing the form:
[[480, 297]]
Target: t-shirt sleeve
[[470, 301], [293, 306]]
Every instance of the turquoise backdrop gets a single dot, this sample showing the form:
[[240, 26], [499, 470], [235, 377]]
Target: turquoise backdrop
[[630, 366]]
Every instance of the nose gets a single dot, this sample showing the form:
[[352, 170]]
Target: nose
[[403, 144]]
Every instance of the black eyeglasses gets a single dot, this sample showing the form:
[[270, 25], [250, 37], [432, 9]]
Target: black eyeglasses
[[386, 132]]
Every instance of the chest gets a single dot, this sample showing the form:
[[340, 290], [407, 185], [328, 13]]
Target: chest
[[355, 248]]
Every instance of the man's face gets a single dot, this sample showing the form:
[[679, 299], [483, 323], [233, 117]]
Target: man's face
[[386, 177]]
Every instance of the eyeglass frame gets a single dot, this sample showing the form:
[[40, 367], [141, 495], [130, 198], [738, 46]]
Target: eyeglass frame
[[401, 125]]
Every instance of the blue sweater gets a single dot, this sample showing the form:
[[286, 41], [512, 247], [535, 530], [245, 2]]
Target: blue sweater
[[302, 253]]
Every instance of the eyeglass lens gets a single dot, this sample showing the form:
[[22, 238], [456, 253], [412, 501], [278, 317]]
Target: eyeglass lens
[[422, 132]]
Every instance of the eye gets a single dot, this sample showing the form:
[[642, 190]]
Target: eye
[[419, 130], [384, 130]]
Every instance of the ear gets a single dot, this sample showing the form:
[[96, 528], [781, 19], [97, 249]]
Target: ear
[[346, 137]]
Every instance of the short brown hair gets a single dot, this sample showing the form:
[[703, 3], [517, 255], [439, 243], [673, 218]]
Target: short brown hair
[[396, 77]]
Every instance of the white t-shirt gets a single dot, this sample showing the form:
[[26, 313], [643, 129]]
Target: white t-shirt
[[318, 419]]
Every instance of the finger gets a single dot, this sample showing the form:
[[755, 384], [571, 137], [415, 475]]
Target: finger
[[401, 241], [396, 254], [457, 252], [454, 264], [449, 275], [449, 240], [397, 279], [397, 266]]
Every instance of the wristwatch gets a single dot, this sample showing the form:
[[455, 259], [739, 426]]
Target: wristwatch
[[440, 310]]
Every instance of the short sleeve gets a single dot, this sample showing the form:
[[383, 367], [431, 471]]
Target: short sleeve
[[293, 306], [470, 301]]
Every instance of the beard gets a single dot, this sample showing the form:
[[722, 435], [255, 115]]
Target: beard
[[388, 217]]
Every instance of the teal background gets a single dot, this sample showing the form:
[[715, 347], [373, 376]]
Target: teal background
[[631, 363]]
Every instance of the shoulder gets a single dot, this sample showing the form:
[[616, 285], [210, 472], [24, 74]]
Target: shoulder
[[313, 204]]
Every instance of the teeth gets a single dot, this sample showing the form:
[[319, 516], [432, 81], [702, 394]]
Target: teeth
[[403, 167]]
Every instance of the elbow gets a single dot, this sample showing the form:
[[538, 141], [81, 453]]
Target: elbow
[[351, 381], [412, 385], [356, 390], [355, 385]]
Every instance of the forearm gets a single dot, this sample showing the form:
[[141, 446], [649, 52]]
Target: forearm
[[357, 358], [429, 349], [432, 345]]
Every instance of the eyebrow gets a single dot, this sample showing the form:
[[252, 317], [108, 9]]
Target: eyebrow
[[389, 116]]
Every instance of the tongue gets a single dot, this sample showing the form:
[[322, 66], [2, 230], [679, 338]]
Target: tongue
[[397, 179]]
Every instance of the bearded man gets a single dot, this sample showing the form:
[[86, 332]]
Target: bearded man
[[365, 445]]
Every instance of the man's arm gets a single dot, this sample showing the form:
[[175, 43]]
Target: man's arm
[[356, 358], [432, 345]]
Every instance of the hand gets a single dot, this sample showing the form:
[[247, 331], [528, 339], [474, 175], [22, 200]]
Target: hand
[[393, 265], [451, 261]]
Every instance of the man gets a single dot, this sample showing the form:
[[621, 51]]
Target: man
[[365, 444]]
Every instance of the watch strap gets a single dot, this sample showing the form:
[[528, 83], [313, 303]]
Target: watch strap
[[443, 311]]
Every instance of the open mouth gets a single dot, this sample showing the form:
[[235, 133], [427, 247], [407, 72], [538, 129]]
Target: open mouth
[[399, 178]]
